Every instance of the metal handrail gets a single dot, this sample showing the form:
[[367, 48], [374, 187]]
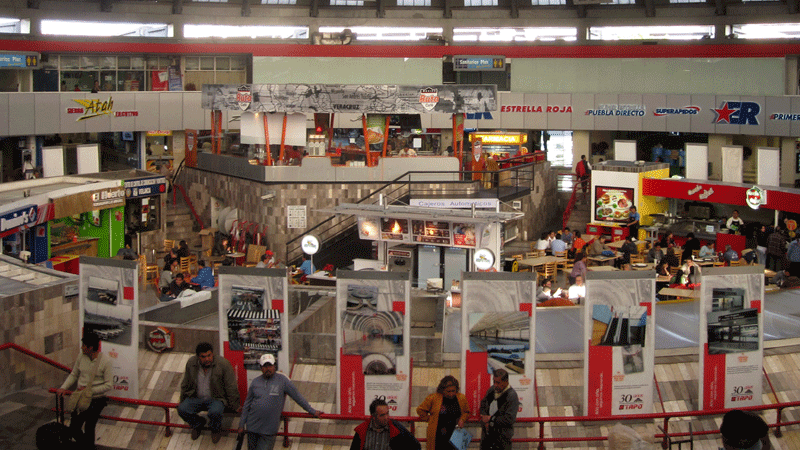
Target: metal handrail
[[666, 416], [293, 246]]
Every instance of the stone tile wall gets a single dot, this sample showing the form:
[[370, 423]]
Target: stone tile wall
[[43, 321]]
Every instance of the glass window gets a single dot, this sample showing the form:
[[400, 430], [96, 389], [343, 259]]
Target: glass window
[[123, 62], [687, 1], [223, 63], [152, 62], [413, 2], [137, 62], [69, 62], [108, 62], [108, 80], [16, 26], [77, 80], [238, 63], [347, 2], [51, 63], [206, 63], [90, 62], [244, 31], [192, 63], [278, 2], [480, 2], [548, 2], [130, 80]]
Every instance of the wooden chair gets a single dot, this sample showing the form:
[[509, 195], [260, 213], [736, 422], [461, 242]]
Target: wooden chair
[[194, 267], [561, 264], [531, 255], [186, 266], [145, 270], [738, 262], [253, 256], [637, 259], [518, 257], [695, 253], [169, 244], [673, 271], [550, 270]]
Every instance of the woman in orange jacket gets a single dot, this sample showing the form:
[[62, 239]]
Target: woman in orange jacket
[[445, 411]]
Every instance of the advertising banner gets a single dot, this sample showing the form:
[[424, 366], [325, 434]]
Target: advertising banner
[[373, 335], [731, 337], [350, 98], [109, 307], [498, 332], [613, 204], [252, 319], [619, 332]]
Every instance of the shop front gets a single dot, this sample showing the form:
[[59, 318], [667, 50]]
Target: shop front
[[703, 207]]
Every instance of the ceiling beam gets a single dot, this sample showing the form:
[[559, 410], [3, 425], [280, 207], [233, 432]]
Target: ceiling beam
[[177, 6], [246, 8]]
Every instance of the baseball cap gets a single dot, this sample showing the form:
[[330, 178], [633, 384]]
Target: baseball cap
[[269, 253], [266, 358]]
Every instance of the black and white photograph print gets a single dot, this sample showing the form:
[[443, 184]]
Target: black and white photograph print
[[375, 335], [732, 328], [247, 298]]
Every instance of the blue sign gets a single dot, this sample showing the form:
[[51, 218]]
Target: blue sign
[[145, 187], [26, 215], [18, 60], [479, 63]]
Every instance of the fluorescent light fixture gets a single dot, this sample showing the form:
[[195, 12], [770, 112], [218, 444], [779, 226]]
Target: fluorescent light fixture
[[244, 31], [83, 28], [668, 33], [385, 33], [515, 34], [767, 31]]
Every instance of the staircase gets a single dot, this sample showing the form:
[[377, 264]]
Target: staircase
[[180, 223], [581, 212]]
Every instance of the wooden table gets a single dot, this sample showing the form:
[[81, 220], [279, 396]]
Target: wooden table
[[539, 260], [663, 278], [616, 245], [601, 269], [769, 273], [680, 293], [321, 278], [235, 255], [642, 266], [601, 260], [705, 262]]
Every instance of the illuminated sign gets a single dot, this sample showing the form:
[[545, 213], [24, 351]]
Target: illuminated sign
[[483, 259], [467, 63], [23, 216], [500, 138], [18, 60], [755, 197], [309, 244], [95, 108]]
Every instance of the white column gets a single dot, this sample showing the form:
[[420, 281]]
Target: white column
[[732, 164], [769, 166], [697, 161]]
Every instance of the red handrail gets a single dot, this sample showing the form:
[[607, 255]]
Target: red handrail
[[779, 407]]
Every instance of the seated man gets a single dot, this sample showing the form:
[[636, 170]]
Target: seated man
[[307, 266], [578, 243], [381, 432], [262, 264], [627, 249], [689, 273], [205, 276], [784, 280], [177, 286], [545, 291], [655, 253], [730, 254], [209, 384], [577, 292], [558, 245], [706, 251], [598, 246]]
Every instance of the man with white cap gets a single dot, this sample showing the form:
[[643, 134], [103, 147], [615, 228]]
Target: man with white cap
[[261, 413]]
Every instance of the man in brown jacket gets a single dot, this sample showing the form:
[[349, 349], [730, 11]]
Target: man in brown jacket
[[209, 384]]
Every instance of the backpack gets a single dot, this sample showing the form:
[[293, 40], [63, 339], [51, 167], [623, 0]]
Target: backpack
[[580, 170]]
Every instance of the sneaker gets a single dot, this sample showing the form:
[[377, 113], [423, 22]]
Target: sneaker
[[195, 433], [215, 437]]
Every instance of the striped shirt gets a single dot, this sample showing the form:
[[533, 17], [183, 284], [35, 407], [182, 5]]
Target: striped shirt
[[377, 438]]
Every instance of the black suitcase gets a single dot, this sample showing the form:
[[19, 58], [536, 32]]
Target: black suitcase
[[55, 435]]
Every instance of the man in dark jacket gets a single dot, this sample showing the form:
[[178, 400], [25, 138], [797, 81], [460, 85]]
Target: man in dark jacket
[[776, 250], [379, 431], [498, 413], [209, 384]]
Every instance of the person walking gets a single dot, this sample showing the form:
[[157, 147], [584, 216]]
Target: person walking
[[445, 410]]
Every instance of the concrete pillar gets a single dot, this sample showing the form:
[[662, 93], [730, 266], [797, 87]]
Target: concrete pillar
[[625, 150], [581, 145], [788, 161], [715, 144]]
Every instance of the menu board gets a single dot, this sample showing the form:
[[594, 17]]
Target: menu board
[[394, 229], [612, 204], [430, 232], [464, 234]]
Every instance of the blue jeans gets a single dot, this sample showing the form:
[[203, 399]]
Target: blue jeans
[[189, 408], [257, 441]]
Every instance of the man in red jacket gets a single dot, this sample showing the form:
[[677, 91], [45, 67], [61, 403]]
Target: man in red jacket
[[583, 170], [380, 432]]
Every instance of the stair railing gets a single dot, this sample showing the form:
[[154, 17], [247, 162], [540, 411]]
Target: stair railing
[[571, 204]]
